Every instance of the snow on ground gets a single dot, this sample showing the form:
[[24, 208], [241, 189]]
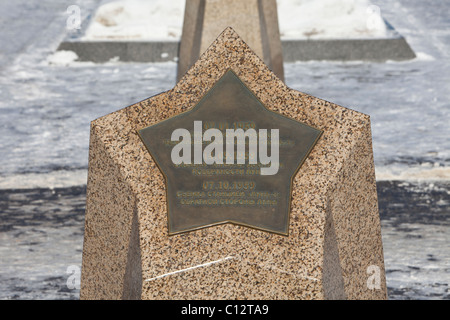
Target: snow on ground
[[62, 58], [137, 20], [330, 19], [298, 19]]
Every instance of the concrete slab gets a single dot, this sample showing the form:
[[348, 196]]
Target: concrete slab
[[394, 47]]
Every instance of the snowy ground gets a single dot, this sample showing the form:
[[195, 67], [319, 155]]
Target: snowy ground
[[46, 106], [298, 19]]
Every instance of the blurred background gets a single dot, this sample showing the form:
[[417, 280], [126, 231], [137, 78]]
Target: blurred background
[[48, 98]]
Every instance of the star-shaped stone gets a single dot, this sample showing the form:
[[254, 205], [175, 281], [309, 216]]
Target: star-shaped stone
[[211, 181]]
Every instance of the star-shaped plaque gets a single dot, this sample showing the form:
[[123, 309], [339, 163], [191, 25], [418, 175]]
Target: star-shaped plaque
[[229, 160]]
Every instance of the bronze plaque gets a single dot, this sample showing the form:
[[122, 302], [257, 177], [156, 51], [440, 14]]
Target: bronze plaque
[[229, 160]]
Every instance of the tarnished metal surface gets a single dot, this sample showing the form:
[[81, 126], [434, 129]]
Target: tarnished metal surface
[[201, 195]]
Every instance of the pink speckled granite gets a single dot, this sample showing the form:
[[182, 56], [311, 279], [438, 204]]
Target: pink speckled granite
[[256, 21], [334, 231]]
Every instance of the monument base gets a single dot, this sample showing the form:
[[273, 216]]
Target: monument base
[[376, 50], [394, 47], [333, 247]]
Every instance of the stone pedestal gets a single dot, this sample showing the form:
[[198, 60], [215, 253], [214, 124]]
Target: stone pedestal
[[333, 249], [256, 21]]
